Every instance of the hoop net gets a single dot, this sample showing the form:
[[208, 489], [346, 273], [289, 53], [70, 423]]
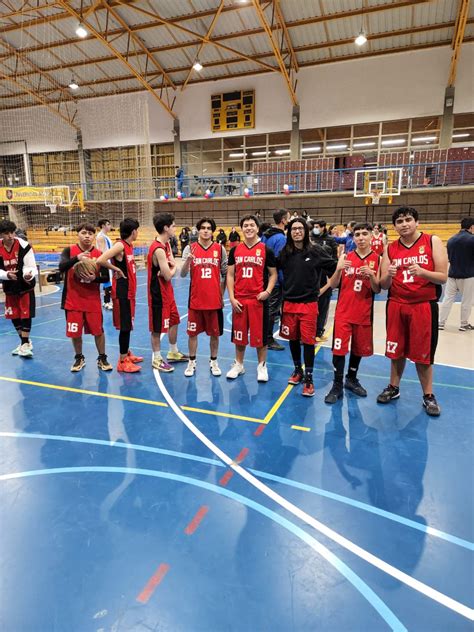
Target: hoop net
[[52, 208], [375, 195]]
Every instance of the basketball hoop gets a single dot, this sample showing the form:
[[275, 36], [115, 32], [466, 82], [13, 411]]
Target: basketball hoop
[[375, 195], [52, 208]]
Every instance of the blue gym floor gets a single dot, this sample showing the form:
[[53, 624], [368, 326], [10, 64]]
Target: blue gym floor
[[160, 502]]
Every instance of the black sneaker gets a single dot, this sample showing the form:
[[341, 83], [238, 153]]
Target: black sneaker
[[79, 363], [273, 345], [389, 392], [467, 327], [355, 386], [103, 363], [334, 394], [431, 406]]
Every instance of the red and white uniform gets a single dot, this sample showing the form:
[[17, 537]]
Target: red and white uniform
[[162, 310], [19, 294], [205, 293], [250, 278], [354, 309], [377, 243], [81, 300], [412, 309], [124, 290]]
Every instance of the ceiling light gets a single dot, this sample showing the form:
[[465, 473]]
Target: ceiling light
[[237, 155], [81, 31], [306, 149], [74, 85], [423, 139], [361, 39], [335, 147], [260, 153], [463, 135], [368, 143], [394, 141], [197, 66], [281, 152]]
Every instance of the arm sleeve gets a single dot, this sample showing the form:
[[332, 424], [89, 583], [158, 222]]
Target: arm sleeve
[[103, 276], [231, 260], [65, 262], [223, 263]]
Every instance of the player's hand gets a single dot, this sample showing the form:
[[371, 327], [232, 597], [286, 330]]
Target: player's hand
[[172, 264], [12, 276], [415, 270], [366, 271], [28, 277], [392, 269], [83, 255], [263, 296], [341, 263], [236, 306], [87, 278], [118, 274]]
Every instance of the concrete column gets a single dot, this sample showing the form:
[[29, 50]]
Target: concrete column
[[447, 121], [26, 166], [295, 141], [177, 143]]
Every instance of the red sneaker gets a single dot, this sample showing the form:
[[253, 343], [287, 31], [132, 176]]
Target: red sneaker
[[133, 358], [296, 377], [308, 389], [127, 366]]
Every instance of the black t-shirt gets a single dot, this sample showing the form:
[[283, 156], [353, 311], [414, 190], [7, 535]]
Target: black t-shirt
[[301, 273]]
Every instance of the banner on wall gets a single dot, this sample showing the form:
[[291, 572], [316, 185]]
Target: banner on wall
[[12, 195]]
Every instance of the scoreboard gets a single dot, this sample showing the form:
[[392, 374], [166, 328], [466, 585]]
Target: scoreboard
[[233, 110]]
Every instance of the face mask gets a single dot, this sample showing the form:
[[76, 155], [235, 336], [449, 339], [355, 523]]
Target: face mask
[[316, 231]]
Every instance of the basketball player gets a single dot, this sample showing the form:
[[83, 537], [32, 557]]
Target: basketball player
[[103, 243], [81, 298], [17, 273], [413, 269], [302, 265], [379, 239], [207, 261], [163, 313], [251, 277], [357, 275], [120, 259]]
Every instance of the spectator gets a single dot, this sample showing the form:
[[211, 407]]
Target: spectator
[[184, 238], [179, 178], [174, 245], [234, 237], [460, 275], [348, 239], [194, 235], [321, 237], [221, 237]]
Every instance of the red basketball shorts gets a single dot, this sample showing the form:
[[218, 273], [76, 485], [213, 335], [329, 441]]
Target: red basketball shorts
[[412, 331], [162, 317], [253, 319], [20, 306], [360, 338], [87, 322], [298, 322], [209, 320]]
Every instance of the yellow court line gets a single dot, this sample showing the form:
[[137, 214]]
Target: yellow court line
[[303, 428], [285, 393], [137, 400]]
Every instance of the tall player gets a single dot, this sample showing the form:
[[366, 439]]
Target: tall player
[[357, 275], [81, 298], [103, 243], [120, 259], [379, 239], [163, 313], [251, 277], [207, 261], [413, 269], [17, 273]]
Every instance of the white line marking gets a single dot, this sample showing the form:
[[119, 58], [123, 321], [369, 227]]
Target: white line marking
[[430, 592]]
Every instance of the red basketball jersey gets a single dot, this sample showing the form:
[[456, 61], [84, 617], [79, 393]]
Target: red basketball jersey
[[405, 287], [125, 288], [13, 261], [377, 244], [160, 292], [356, 297], [205, 288], [251, 274], [79, 295]]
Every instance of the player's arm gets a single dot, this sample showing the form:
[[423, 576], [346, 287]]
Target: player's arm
[[272, 279], [187, 256], [236, 305], [101, 243], [66, 262], [335, 279], [4, 275], [440, 257], [224, 266], [165, 271], [104, 259], [387, 271]]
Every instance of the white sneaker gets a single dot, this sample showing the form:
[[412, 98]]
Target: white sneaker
[[262, 373], [214, 368], [190, 369], [235, 370], [16, 350], [108, 306], [25, 350]]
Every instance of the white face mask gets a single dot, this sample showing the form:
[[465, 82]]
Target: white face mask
[[316, 231]]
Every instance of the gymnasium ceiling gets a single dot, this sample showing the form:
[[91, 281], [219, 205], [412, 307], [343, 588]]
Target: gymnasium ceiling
[[135, 45]]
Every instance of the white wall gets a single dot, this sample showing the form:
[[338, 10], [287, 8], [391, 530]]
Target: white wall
[[410, 85]]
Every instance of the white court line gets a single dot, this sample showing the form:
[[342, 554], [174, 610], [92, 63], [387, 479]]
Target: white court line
[[396, 573]]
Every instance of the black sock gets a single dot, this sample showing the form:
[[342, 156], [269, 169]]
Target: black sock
[[338, 364], [192, 357], [212, 357], [354, 362], [25, 340], [308, 352]]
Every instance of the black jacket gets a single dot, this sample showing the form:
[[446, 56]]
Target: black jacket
[[461, 255], [302, 271]]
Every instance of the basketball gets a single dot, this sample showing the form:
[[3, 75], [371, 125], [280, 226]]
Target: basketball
[[85, 267]]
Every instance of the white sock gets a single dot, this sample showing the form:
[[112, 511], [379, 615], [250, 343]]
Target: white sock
[[157, 355], [174, 348]]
